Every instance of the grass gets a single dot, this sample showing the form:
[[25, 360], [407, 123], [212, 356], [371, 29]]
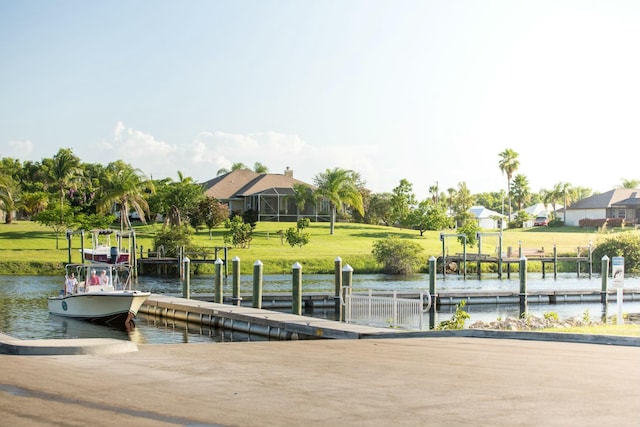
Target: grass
[[29, 248], [627, 330]]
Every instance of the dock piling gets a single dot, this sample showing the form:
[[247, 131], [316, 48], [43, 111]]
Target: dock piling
[[257, 284], [337, 284], [218, 288], [432, 291], [237, 299], [605, 279], [523, 285], [186, 284], [296, 291]]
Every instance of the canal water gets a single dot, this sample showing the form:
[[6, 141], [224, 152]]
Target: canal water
[[23, 305]]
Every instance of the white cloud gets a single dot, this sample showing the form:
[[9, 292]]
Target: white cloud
[[18, 149]]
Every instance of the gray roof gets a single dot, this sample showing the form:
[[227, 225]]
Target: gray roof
[[605, 200]]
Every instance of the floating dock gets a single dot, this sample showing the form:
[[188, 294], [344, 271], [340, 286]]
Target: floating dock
[[272, 324]]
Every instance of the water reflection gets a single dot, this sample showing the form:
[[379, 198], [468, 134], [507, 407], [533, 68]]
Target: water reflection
[[23, 306]]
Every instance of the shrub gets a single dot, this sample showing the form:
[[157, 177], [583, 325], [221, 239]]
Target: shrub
[[457, 320], [398, 256], [625, 244]]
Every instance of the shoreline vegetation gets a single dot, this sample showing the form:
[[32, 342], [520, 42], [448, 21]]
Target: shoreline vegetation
[[29, 248]]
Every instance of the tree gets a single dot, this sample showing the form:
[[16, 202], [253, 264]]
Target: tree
[[402, 201], [260, 168], [429, 216], [379, 209], [126, 187], [630, 183], [239, 234], [520, 190], [9, 197], [461, 204], [508, 165], [234, 167], [54, 218], [398, 256], [64, 171], [296, 237], [339, 187], [209, 212], [301, 195]]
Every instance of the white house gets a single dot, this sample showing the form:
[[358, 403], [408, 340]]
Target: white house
[[539, 209], [487, 218]]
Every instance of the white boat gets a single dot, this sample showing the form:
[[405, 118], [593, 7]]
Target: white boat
[[100, 293], [101, 249]]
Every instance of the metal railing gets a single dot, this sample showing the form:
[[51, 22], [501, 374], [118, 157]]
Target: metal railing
[[385, 309]]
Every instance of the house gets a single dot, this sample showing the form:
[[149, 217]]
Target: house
[[538, 210], [487, 218], [269, 195], [617, 203]]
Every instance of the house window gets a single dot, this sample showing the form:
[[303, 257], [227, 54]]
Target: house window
[[619, 213]]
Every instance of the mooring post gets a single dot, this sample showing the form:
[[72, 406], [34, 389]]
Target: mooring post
[[236, 298], [605, 279], [296, 291], [257, 284], [523, 285], [186, 284], [218, 294], [347, 281], [555, 261], [433, 292], [337, 279], [478, 264]]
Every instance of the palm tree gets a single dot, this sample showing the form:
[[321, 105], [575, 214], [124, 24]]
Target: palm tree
[[302, 194], [630, 183], [260, 168], [126, 187], [339, 186], [234, 167], [64, 171], [520, 189], [9, 196], [508, 165]]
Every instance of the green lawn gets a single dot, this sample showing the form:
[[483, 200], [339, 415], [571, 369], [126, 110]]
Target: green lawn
[[28, 248]]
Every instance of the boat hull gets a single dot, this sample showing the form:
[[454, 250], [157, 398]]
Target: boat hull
[[117, 308]]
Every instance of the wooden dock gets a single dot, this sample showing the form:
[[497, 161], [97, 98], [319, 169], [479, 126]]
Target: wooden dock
[[262, 322], [323, 300]]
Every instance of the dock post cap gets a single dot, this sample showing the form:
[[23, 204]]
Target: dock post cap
[[236, 258], [296, 266], [218, 261], [347, 268], [338, 259], [258, 262]]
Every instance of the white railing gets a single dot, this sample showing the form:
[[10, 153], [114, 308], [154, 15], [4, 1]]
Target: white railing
[[385, 309]]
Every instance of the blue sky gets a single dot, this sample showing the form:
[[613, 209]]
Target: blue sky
[[429, 91]]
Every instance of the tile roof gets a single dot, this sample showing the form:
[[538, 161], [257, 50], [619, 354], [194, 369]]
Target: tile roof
[[245, 182]]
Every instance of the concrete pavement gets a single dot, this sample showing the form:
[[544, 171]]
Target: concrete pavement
[[397, 381]]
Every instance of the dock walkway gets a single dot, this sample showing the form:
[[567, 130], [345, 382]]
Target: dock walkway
[[253, 320]]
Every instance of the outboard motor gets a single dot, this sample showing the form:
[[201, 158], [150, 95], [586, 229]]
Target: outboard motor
[[114, 254]]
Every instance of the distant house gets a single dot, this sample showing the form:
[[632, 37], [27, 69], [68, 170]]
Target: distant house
[[487, 218], [538, 210], [267, 194], [618, 203]]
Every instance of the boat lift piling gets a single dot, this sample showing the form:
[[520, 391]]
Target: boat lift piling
[[70, 234]]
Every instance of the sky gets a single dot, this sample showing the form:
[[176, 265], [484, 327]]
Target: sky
[[427, 91]]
